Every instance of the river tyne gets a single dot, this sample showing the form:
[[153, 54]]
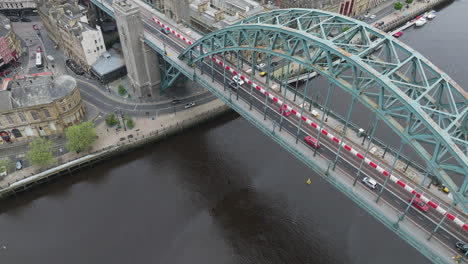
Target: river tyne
[[220, 193]]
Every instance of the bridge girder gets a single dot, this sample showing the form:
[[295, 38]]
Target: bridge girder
[[417, 101]]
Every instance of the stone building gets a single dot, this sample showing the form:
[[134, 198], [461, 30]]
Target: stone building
[[32, 106], [17, 7], [10, 45], [344, 7], [68, 28]]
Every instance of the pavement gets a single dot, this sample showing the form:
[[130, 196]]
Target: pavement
[[111, 137], [100, 100]]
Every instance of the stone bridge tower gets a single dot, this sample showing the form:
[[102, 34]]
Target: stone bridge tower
[[141, 61]]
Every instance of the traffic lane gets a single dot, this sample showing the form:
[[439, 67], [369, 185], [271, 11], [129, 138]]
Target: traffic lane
[[425, 222], [207, 69], [291, 126], [90, 94], [392, 198], [352, 164], [175, 44]]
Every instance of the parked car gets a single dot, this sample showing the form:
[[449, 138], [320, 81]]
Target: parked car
[[420, 204], [312, 141], [238, 80], [14, 19], [275, 63], [19, 165], [371, 183], [262, 74], [398, 34], [191, 104], [175, 101], [373, 16], [461, 246], [25, 19], [38, 49], [285, 111]]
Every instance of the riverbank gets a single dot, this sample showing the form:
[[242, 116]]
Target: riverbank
[[398, 18], [111, 143]]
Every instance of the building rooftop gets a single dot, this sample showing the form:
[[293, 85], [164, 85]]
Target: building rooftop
[[108, 62], [35, 90]]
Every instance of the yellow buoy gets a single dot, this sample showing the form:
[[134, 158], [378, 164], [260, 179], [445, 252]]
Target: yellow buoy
[[308, 181]]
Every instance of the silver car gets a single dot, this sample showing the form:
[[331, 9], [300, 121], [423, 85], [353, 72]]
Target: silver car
[[371, 183], [189, 105]]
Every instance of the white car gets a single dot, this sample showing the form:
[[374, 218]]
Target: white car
[[188, 105], [373, 16], [238, 80], [371, 183], [261, 66]]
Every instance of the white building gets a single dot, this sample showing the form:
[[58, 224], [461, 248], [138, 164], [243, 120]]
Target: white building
[[92, 42], [17, 4]]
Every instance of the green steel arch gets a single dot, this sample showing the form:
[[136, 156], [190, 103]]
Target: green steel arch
[[418, 101]]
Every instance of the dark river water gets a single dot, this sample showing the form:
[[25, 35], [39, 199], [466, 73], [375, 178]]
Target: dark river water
[[222, 193]]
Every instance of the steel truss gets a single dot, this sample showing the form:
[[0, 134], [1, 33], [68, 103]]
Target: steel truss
[[169, 74], [419, 102]]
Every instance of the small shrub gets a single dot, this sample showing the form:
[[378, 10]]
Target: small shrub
[[111, 120], [122, 90]]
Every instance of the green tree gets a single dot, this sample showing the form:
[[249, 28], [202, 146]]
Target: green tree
[[122, 90], [40, 152], [7, 164], [80, 137], [409, 1], [398, 5], [111, 120], [346, 29], [130, 122]]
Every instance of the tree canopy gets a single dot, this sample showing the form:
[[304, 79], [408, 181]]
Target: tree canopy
[[398, 5], [40, 152], [80, 137]]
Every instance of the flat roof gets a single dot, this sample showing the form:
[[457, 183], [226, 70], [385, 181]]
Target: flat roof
[[108, 62]]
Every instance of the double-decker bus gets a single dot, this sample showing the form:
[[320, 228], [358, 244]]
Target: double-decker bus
[[39, 64]]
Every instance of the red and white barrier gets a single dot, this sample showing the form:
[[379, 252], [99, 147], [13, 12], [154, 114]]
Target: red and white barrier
[[380, 169]]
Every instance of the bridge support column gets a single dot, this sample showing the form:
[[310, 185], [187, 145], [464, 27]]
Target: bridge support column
[[367, 149], [330, 92], [391, 170], [141, 61], [302, 107]]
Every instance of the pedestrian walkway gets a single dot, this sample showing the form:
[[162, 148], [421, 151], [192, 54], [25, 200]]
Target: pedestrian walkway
[[109, 138]]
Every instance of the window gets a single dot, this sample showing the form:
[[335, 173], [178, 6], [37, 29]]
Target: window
[[22, 117], [95, 41], [16, 133], [34, 115], [46, 113], [102, 47], [10, 119], [69, 106], [64, 108], [98, 48]]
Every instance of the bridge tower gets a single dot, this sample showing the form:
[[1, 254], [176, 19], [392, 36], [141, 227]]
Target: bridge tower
[[141, 61]]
